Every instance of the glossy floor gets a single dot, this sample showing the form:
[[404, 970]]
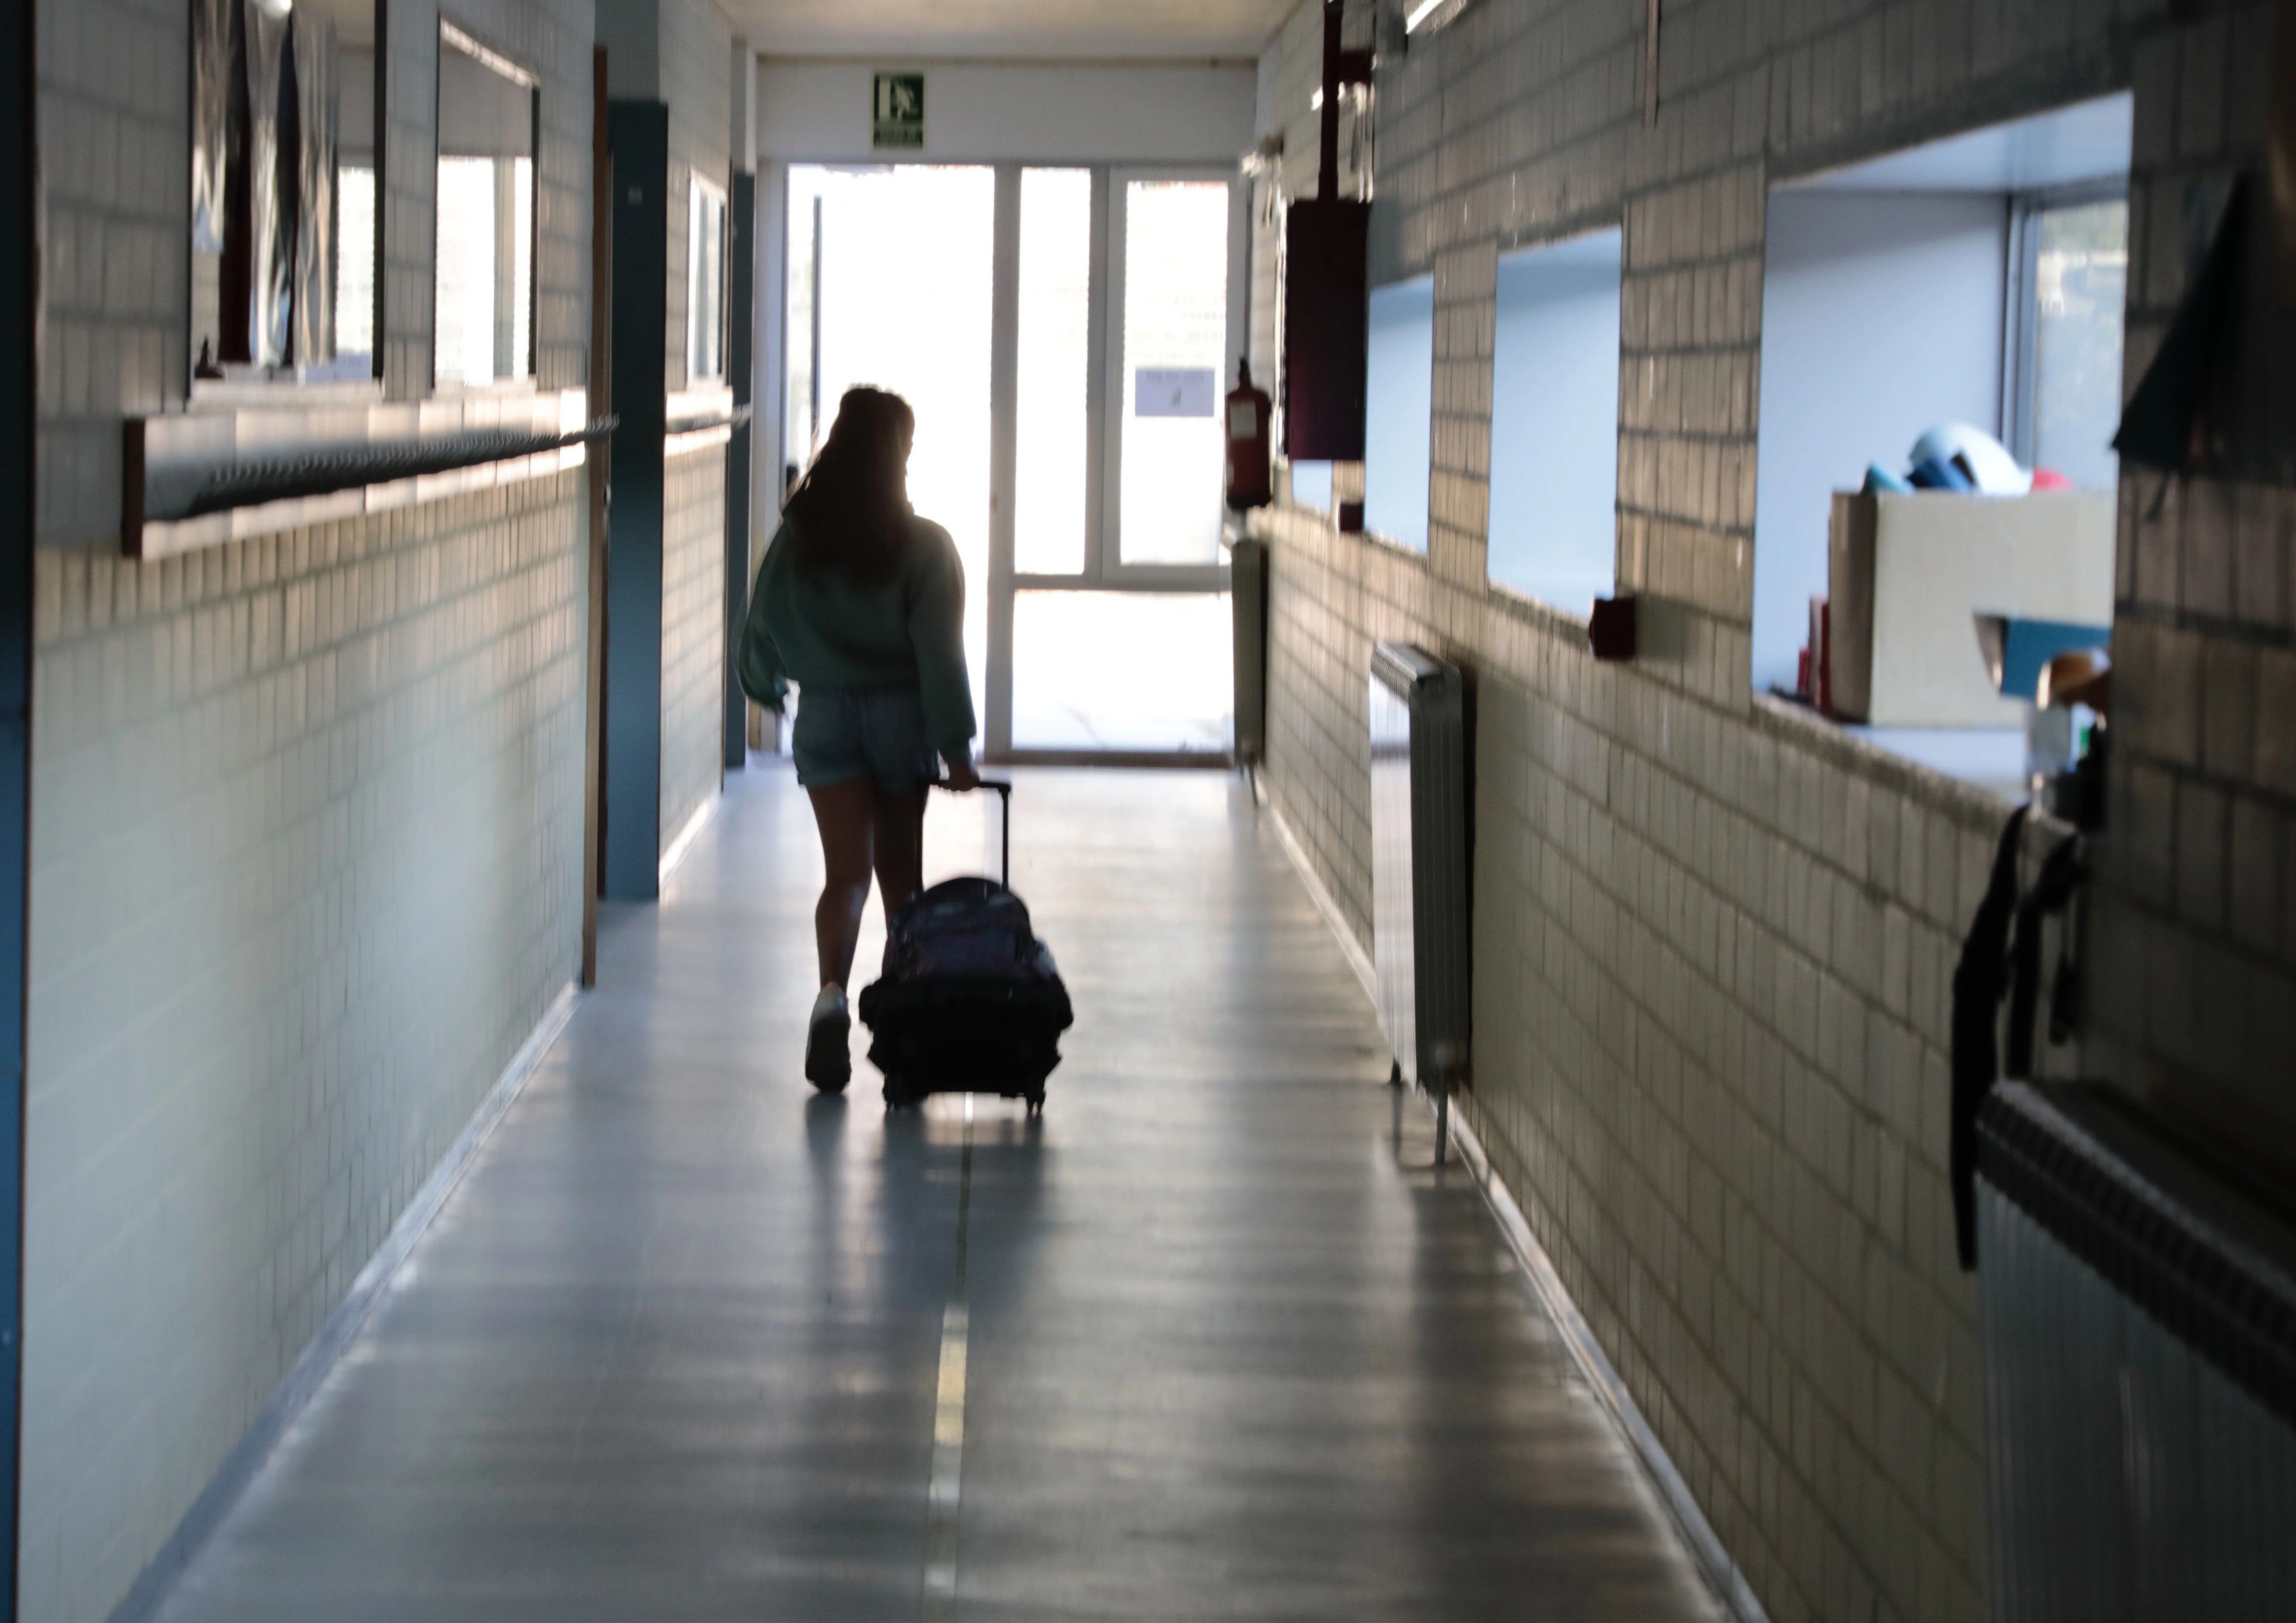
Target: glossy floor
[[1211, 1339]]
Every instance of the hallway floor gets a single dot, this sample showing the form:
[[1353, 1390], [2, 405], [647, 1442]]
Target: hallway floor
[[1212, 1339]]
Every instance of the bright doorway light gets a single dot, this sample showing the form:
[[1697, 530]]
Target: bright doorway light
[[906, 257]]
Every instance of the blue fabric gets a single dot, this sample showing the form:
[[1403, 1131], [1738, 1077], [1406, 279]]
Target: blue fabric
[[1934, 475], [843, 733], [2030, 644]]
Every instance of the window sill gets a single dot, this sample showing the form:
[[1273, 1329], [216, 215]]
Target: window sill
[[1381, 538], [204, 477], [282, 393], [492, 389], [706, 407], [700, 419], [1946, 767], [1532, 604]]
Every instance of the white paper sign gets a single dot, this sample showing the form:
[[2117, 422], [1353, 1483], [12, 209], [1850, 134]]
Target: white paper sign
[[1174, 392]]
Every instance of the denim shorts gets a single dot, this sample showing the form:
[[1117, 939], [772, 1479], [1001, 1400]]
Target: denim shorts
[[844, 732]]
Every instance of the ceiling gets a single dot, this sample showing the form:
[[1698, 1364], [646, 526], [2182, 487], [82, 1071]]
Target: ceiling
[[1064, 30]]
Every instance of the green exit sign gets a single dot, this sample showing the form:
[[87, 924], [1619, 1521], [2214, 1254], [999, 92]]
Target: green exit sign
[[897, 112]]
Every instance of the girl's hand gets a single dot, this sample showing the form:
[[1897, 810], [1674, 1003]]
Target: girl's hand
[[962, 776]]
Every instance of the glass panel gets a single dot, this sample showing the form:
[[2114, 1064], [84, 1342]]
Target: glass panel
[[799, 429], [1400, 399], [1554, 422], [705, 282], [484, 286], [355, 265], [281, 212], [1053, 426], [1122, 670], [917, 324], [2080, 280], [1174, 361], [485, 237]]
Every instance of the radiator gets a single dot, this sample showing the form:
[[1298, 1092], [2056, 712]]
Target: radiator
[[2140, 1360], [1247, 598], [1419, 867]]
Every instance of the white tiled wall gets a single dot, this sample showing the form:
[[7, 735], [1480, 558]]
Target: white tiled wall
[[307, 851], [115, 105], [1714, 940], [696, 45], [306, 813], [692, 635], [2195, 999]]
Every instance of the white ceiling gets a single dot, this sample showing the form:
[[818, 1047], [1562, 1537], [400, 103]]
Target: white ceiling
[[1067, 29], [2087, 141]]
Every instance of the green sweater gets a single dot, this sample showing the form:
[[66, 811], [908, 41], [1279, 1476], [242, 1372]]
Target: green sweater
[[905, 636]]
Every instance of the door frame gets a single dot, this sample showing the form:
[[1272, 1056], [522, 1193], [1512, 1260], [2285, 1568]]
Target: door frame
[[1104, 568]]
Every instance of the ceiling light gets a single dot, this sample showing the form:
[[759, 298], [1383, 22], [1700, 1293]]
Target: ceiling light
[[1428, 15]]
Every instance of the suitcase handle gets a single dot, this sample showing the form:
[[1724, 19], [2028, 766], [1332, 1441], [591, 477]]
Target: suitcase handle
[[1003, 788]]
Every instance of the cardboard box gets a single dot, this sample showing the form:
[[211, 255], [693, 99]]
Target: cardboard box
[[1908, 573]]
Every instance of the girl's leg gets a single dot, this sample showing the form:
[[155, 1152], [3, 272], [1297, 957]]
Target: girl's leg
[[847, 816], [900, 845]]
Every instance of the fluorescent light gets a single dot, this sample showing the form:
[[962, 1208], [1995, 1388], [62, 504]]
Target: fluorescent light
[[1431, 14]]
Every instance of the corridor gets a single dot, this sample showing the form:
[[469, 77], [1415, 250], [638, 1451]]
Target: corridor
[[1212, 1339]]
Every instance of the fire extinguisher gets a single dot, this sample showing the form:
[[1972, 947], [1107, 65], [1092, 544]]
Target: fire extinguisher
[[1248, 410]]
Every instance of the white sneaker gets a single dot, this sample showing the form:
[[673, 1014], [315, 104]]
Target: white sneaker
[[828, 1063]]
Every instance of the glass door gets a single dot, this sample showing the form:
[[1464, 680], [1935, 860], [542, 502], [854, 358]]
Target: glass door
[[891, 273], [1110, 631], [1066, 334]]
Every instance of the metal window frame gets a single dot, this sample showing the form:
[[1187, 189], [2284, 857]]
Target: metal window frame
[[698, 187], [1104, 568], [2021, 316], [1110, 572], [452, 37]]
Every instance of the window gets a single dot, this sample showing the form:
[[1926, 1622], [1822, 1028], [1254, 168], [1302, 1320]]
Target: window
[[917, 324], [705, 282], [282, 189], [2073, 275], [1082, 485], [1053, 441], [1077, 658], [356, 260], [1398, 412], [1174, 333], [1970, 285], [801, 424], [1555, 422], [484, 307]]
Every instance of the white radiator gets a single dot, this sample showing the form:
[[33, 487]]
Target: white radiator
[[1418, 866], [1247, 597], [2140, 1371]]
